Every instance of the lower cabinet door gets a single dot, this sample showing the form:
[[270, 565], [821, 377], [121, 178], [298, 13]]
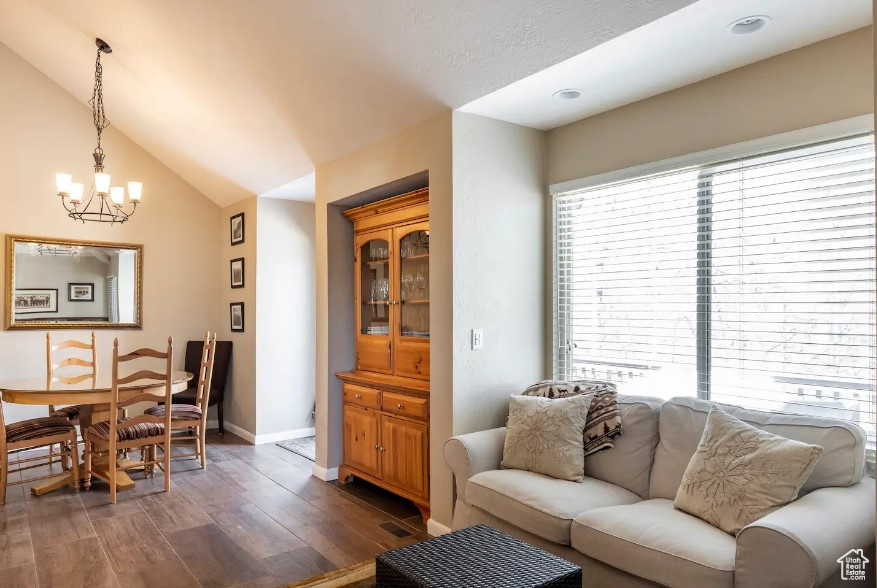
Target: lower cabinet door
[[404, 459], [362, 439]]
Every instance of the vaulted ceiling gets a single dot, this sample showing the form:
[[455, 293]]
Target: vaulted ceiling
[[240, 97]]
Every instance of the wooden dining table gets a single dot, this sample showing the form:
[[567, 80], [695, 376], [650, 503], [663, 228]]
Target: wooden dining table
[[93, 395]]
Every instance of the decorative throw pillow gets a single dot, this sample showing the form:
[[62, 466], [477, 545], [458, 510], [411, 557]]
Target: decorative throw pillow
[[739, 473], [604, 418], [545, 436]]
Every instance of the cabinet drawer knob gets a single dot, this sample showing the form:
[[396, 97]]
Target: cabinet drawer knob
[[358, 396], [381, 448], [377, 446], [400, 406]]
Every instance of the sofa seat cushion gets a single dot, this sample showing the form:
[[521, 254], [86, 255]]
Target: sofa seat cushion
[[652, 540], [539, 504]]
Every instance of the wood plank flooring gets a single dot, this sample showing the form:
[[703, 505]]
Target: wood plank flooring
[[255, 517]]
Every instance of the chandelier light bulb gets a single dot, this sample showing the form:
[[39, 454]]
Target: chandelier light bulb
[[76, 192], [102, 183], [63, 181], [134, 191], [117, 195]]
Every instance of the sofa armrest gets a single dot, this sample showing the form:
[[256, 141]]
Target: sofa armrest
[[470, 454], [800, 543]]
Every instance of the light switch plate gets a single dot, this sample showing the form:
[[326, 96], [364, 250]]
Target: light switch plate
[[477, 339]]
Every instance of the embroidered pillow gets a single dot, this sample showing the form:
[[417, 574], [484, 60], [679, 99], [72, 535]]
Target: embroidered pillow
[[545, 436], [604, 418], [740, 473]]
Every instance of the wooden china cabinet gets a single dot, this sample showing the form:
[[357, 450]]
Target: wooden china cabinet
[[386, 395]]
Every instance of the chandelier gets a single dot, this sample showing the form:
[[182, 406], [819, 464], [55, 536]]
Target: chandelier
[[104, 203]]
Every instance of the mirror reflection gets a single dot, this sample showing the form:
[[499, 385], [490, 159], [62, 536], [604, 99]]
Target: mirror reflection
[[64, 283]]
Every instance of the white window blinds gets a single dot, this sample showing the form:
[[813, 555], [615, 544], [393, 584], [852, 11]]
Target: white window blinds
[[749, 282]]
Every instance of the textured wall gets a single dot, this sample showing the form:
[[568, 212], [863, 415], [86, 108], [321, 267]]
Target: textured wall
[[820, 83], [500, 203]]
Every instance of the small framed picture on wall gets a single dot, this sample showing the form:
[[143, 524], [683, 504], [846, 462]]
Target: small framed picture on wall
[[237, 272], [80, 292], [237, 317], [237, 229]]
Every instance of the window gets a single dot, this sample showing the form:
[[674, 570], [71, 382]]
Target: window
[[747, 282]]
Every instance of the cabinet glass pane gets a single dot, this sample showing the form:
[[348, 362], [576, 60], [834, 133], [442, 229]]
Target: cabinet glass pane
[[414, 284], [374, 270]]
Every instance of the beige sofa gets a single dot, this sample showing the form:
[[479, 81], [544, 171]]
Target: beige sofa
[[620, 526]]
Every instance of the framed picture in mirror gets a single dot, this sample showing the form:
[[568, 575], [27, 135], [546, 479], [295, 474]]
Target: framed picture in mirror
[[80, 292], [36, 301]]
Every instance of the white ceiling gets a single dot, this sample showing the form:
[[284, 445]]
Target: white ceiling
[[684, 47], [241, 97]]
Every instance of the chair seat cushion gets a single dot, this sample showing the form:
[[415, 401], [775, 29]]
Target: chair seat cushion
[[652, 540], [32, 429], [71, 413], [179, 412], [539, 504], [128, 433]]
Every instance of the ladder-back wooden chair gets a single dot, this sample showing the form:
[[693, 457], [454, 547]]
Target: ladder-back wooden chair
[[189, 417], [56, 372], [142, 432], [32, 434]]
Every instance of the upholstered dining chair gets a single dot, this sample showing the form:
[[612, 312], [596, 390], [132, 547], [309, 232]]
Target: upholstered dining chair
[[193, 417], [189, 396], [143, 432], [54, 374], [31, 434]]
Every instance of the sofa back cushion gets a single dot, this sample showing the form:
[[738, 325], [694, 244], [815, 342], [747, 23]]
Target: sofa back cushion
[[681, 425], [629, 463]]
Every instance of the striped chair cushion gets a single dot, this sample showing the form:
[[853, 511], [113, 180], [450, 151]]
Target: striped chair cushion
[[32, 429], [129, 433], [179, 412], [71, 413]]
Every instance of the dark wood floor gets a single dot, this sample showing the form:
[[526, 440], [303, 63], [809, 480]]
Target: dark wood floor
[[256, 517]]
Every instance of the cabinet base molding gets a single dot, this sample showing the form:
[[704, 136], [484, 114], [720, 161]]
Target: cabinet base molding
[[346, 475]]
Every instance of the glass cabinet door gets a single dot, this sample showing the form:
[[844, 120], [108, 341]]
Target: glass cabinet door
[[374, 268], [413, 284]]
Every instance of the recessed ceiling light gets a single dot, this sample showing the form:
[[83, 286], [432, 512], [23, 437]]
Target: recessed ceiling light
[[568, 94], [748, 24]]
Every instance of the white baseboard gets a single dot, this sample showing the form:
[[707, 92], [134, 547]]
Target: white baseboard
[[435, 528], [262, 439], [327, 475], [284, 435]]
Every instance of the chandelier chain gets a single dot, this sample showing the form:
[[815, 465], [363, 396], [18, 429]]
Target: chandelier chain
[[97, 102]]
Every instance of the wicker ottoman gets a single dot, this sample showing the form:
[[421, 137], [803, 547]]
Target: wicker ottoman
[[474, 557]]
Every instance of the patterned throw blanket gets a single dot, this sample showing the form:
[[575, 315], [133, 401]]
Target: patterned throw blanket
[[604, 418]]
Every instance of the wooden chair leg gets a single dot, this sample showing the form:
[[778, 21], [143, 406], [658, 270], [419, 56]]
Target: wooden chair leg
[[87, 458], [74, 459], [111, 469], [167, 467], [202, 446], [4, 472]]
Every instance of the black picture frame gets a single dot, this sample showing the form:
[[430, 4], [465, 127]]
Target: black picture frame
[[52, 293], [231, 317], [233, 274], [72, 285], [237, 237]]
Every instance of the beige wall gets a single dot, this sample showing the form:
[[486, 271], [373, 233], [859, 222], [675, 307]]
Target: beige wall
[[500, 202], [44, 130], [285, 320], [426, 146], [240, 394], [820, 83]]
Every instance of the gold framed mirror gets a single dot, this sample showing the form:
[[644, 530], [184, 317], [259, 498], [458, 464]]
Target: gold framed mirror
[[71, 284]]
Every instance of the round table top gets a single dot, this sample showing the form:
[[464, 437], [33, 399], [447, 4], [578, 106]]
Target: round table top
[[102, 383]]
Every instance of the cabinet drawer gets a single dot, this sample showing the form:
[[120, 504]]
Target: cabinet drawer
[[362, 396], [411, 406]]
